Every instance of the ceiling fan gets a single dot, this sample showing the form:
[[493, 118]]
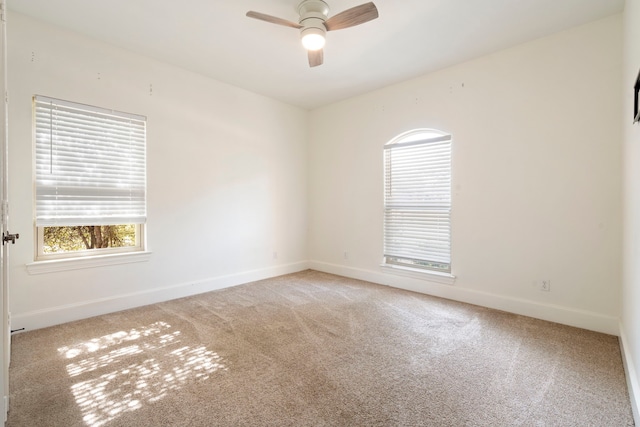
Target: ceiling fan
[[314, 22]]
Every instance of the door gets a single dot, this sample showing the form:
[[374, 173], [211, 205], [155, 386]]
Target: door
[[4, 208]]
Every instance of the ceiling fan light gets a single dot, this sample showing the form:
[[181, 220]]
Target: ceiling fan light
[[313, 38]]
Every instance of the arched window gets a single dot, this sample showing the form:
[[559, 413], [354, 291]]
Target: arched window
[[417, 200]]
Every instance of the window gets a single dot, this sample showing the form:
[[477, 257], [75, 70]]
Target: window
[[417, 201], [90, 171]]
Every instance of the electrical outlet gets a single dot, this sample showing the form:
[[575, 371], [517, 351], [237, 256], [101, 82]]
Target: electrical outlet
[[545, 285], [275, 255], [346, 255]]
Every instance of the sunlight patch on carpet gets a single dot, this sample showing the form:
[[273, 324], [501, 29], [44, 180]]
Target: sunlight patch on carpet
[[115, 377]]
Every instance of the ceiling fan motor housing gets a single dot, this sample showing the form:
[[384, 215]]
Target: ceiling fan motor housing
[[313, 9], [313, 14]]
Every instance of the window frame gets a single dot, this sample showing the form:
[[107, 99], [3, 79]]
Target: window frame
[[42, 256], [393, 262], [140, 247]]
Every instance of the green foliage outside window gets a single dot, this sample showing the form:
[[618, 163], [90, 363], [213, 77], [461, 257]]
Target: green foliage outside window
[[85, 237]]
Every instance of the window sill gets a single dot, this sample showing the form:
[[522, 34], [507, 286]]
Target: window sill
[[432, 276], [53, 266]]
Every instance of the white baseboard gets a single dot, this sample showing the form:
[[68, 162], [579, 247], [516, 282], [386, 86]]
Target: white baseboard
[[553, 313], [631, 374], [68, 313]]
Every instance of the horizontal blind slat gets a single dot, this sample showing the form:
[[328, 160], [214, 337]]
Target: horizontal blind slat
[[417, 194], [90, 165]]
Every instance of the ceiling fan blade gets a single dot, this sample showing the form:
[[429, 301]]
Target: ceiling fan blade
[[272, 19], [351, 17], [316, 57]]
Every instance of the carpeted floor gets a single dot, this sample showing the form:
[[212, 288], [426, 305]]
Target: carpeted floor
[[313, 349]]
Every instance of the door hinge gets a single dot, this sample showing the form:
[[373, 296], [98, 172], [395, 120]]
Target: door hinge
[[4, 211]]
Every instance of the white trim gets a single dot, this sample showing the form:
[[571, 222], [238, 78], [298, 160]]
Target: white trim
[[553, 313], [564, 315], [56, 265], [92, 108], [432, 276], [4, 408], [67, 313], [631, 374]]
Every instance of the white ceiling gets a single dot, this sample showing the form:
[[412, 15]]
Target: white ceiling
[[410, 38]]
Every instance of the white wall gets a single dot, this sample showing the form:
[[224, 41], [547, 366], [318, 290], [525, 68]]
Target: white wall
[[536, 176], [630, 322], [226, 177]]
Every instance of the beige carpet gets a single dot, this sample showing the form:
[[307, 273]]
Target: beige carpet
[[312, 349]]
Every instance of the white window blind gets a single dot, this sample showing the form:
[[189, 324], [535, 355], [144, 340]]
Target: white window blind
[[417, 222], [90, 165]]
